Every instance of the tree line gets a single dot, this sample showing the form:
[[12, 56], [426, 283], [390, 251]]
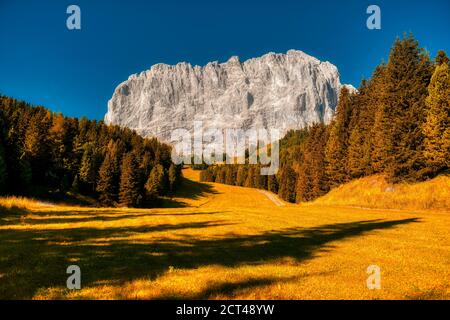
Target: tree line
[[396, 124], [44, 153]]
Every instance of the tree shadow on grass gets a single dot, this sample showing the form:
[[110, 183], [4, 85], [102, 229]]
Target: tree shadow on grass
[[8, 215], [188, 189], [33, 259], [52, 217]]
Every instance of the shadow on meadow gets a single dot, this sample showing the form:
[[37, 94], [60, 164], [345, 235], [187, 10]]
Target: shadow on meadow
[[92, 216], [31, 259], [189, 189]]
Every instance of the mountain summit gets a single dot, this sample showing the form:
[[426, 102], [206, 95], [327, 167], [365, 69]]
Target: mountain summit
[[283, 91]]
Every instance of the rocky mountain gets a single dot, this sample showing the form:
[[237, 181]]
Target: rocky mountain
[[284, 91]]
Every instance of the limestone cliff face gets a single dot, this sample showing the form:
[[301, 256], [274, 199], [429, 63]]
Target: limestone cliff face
[[283, 91]]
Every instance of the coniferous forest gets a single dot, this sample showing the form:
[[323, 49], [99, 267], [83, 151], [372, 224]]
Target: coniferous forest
[[46, 154], [396, 124]]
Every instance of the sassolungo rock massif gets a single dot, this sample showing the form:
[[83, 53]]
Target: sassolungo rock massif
[[282, 91]]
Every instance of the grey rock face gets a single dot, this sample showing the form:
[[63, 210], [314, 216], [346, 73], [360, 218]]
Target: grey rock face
[[282, 91]]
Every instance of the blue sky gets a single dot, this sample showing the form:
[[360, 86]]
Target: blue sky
[[76, 72]]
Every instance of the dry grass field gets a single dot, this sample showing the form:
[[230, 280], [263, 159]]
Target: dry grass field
[[219, 242]]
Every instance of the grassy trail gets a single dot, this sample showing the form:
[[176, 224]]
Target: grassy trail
[[219, 241]]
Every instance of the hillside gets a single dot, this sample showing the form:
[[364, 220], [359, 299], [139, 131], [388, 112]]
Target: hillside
[[222, 241], [375, 192]]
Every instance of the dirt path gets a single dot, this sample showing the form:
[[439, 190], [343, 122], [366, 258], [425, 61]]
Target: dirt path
[[272, 197]]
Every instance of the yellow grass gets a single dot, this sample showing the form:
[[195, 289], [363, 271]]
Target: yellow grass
[[20, 203], [225, 242], [375, 192]]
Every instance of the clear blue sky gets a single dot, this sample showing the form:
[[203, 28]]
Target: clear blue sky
[[76, 72]]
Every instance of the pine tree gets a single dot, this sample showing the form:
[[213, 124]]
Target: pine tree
[[250, 178], [155, 183], [36, 145], [230, 175], [288, 178], [272, 183], [108, 179], [172, 177], [336, 149], [241, 175], [25, 175], [312, 181], [3, 169], [360, 140], [437, 125], [408, 73], [129, 193], [442, 58], [88, 167]]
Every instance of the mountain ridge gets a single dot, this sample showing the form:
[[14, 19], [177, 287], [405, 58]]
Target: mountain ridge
[[276, 90]]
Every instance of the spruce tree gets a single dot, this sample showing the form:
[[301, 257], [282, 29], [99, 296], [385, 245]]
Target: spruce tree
[[108, 179], [155, 182], [250, 178], [288, 178], [3, 169], [272, 183], [442, 58], [230, 175], [336, 149], [241, 175], [172, 177], [88, 167], [437, 125], [408, 73], [129, 193]]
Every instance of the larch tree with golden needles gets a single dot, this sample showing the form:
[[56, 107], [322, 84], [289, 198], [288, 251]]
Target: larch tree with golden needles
[[437, 125]]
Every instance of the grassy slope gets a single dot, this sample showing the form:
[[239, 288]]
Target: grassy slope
[[375, 192], [220, 241]]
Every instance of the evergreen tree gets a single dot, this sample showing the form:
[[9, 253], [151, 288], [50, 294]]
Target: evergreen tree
[[156, 182], [88, 168], [129, 193], [36, 146], [312, 181], [230, 175], [288, 178], [250, 178], [442, 58], [437, 125], [408, 74], [108, 180], [336, 149], [172, 177], [360, 140], [3, 169], [272, 183], [25, 175], [241, 175]]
